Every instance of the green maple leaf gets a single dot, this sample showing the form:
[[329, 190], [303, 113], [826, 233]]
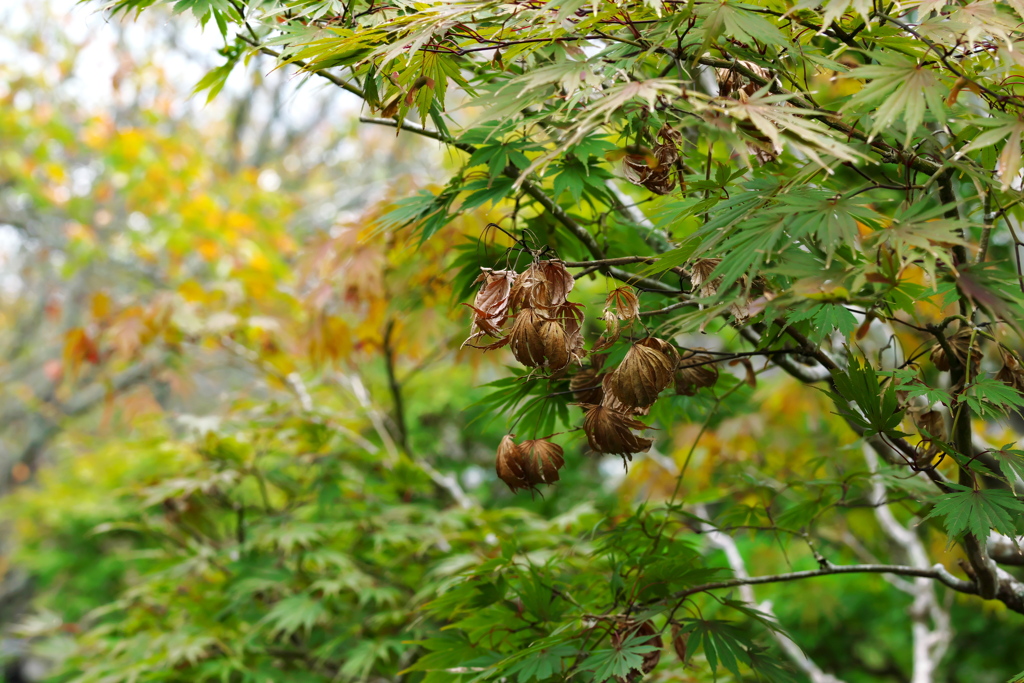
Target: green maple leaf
[[977, 511]]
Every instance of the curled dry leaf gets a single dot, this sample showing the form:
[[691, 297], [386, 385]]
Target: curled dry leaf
[[651, 659], [932, 425], [557, 353], [732, 81], [611, 401], [679, 643], [958, 344], [571, 317], [748, 367], [1011, 373], [544, 285], [510, 464], [622, 302], [700, 271], [696, 370], [660, 176], [552, 342], [586, 386], [609, 431], [526, 340], [490, 308], [645, 371], [541, 461]]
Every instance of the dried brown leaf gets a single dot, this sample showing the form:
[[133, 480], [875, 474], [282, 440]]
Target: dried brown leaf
[[1011, 373], [700, 271], [544, 285], [679, 643], [609, 431], [527, 342], [611, 401], [932, 425], [732, 81], [586, 386], [958, 344], [510, 464], [645, 371], [623, 303], [541, 461], [557, 353], [696, 370], [491, 305]]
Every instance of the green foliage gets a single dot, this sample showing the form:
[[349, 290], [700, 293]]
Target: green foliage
[[737, 200], [976, 511]]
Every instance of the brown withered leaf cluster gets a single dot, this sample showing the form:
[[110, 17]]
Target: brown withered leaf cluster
[[932, 427], [525, 465], [732, 82], [490, 308], [621, 305], [646, 370], [609, 431], [547, 329], [629, 390], [959, 344], [655, 168], [530, 312], [704, 285], [1011, 374], [696, 370], [586, 386]]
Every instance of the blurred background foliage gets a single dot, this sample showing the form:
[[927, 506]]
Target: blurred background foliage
[[239, 441]]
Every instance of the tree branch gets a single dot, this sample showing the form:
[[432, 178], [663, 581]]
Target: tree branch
[[541, 197], [937, 572]]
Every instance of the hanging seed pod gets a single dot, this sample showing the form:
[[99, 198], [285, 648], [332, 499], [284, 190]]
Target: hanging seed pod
[[609, 431], [1011, 373], [586, 386], [527, 342], [696, 371], [700, 271], [510, 464], [958, 344], [646, 370], [490, 308], [541, 461]]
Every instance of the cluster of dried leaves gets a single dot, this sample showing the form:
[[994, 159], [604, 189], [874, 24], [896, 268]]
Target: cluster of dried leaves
[[547, 329], [524, 465], [656, 169], [546, 333], [733, 83], [962, 344], [742, 308]]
